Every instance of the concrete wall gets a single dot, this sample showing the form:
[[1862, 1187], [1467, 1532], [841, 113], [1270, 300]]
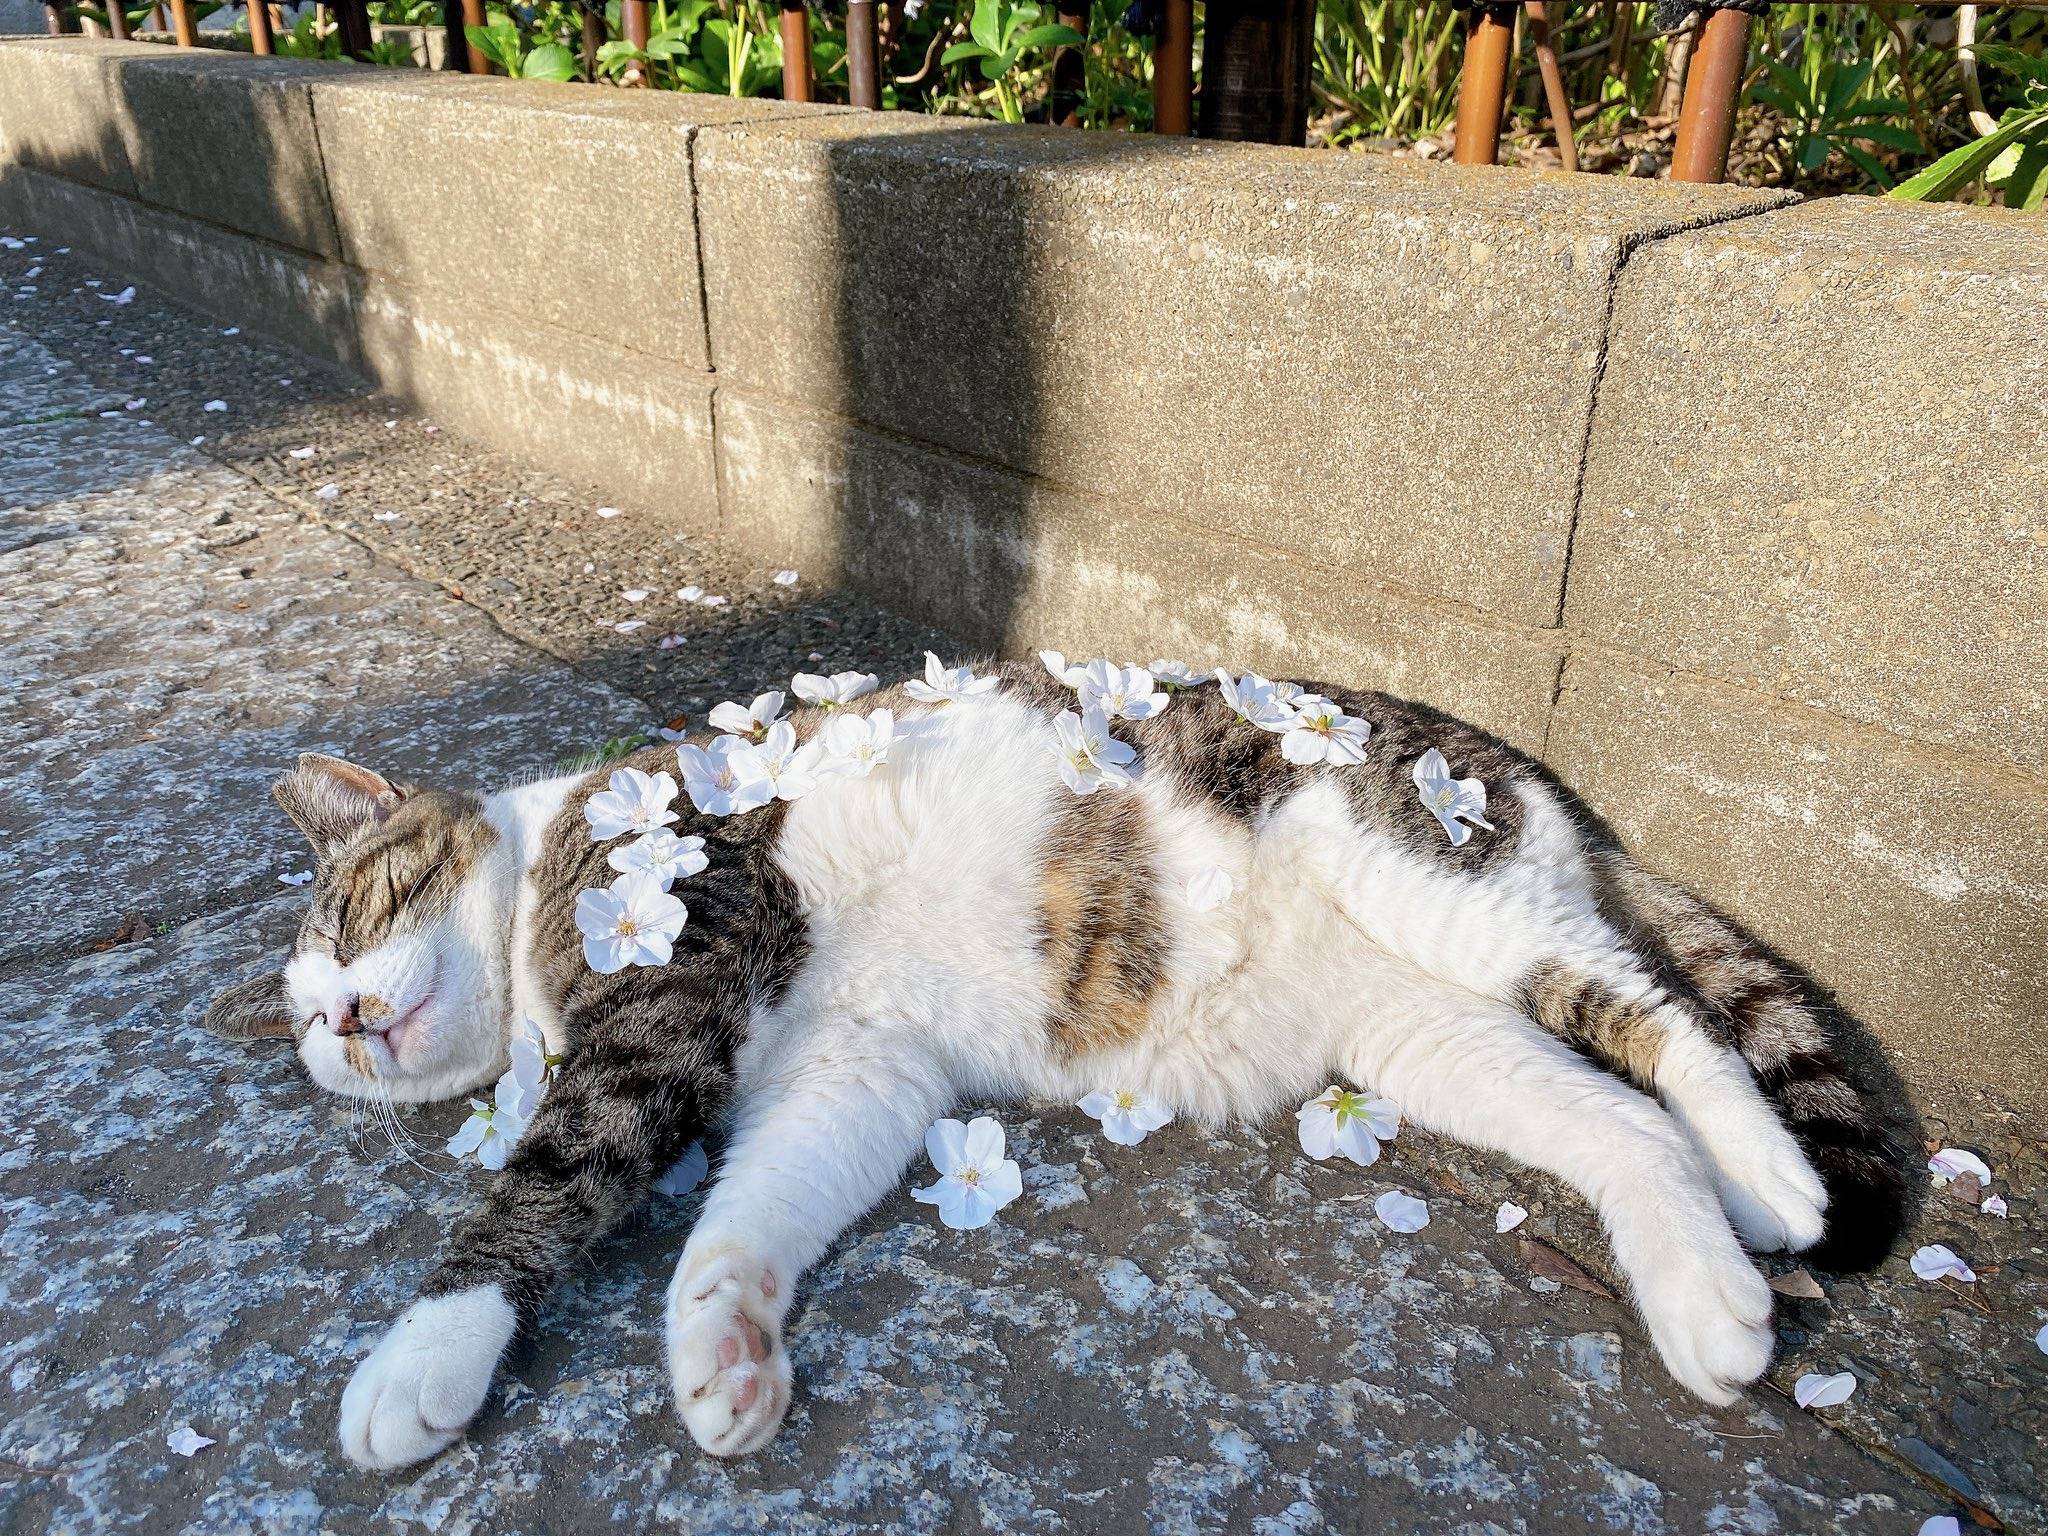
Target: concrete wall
[[1731, 508]]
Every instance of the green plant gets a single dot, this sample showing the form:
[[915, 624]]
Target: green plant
[[1822, 106], [505, 45], [2013, 156], [999, 35], [307, 40]]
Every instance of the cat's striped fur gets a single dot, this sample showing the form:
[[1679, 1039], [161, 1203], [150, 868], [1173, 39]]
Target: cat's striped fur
[[959, 926]]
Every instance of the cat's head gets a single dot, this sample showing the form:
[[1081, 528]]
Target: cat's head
[[397, 985]]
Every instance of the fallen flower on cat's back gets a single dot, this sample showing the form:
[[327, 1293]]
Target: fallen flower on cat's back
[[788, 770], [632, 922], [1452, 801], [942, 684], [836, 691], [662, 854], [1127, 1115], [855, 745], [749, 720], [1089, 756], [635, 802], [1340, 1120], [1257, 700], [712, 777], [1401, 1211], [1121, 693], [975, 1179], [1323, 733], [1175, 674], [532, 1065], [491, 1129]]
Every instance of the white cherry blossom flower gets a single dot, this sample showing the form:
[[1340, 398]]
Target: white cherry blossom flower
[[1323, 733], [1127, 1115], [491, 1129], [855, 745], [1937, 1262], [1814, 1390], [1089, 756], [1121, 693], [1509, 1216], [713, 780], [836, 691], [789, 771], [749, 720], [635, 802], [1452, 801], [662, 854], [187, 1441], [1062, 671], [1176, 674], [946, 685], [531, 1064], [1258, 700], [1953, 1162], [1343, 1121], [632, 922], [1994, 1205], [975, 1179], [1401, 1211], [1209, 888], [690, 1170]]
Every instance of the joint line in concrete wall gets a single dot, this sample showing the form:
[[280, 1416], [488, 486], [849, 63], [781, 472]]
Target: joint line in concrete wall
[[326, 181], [702, 296]]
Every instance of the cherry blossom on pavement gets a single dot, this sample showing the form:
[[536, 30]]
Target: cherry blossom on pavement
[[975, 1179], [1127, 1115]]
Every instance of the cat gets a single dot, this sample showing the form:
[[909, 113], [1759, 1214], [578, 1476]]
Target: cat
[[958, 925]]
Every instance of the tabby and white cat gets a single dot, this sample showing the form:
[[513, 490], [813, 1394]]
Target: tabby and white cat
[[958, 926]]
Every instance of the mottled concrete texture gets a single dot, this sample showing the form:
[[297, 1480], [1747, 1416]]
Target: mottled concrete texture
[[1205, 1334], [1441, 430], [1821, 468], [1381, 364]]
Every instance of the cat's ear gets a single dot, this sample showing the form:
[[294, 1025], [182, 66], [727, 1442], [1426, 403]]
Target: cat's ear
[[331, 800], [255, 1009]]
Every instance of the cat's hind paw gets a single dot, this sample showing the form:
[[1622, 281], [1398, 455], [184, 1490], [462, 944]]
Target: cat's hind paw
[[413, 1394], [1710, 1316], [725, 1354]]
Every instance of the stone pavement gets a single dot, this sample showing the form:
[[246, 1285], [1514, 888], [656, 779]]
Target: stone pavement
[[1208, 1333]]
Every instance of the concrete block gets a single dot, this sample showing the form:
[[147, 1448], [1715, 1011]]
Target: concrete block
[[638, 426], [1014, 564], [572, 206], [1383, 364], [58, 109], [1819, 467], [299, 299], [229, 140], [1914, 883]]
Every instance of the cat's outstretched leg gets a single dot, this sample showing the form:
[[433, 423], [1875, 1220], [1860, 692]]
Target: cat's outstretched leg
[[812, 1150], [1480, 1072], [612, 1119]]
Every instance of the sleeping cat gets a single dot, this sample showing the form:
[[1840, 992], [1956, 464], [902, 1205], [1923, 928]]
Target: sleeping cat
[[953, 922]]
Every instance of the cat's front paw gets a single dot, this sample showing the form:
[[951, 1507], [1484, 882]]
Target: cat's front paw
[[415, 1392], [1709, 1312], [725, 1354]]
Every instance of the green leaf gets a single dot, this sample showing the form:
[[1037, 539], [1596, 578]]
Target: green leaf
[[1813, 152], [2013, 62], [959, 51], [997, 66], [1897, 135], [498, 42], [2029, 180], [550, 61], [985, 25], [1845, 85], [1048, 37], [1959, 167], [1867, 163]]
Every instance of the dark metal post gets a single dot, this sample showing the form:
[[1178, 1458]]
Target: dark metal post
[[1553, 84], [796, 51], [353, 18], [1483, 86], [1069, 73], [1173, 69], [117, 20], [181, 24], [1255, 63], [863, 69], [261, 38], [1713, 89], [593, 37], [463, 56], [636, 22]]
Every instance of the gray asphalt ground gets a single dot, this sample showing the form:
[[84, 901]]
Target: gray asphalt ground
[[1208, 1333]]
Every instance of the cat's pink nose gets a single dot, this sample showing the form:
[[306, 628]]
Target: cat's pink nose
[[344, 1019]]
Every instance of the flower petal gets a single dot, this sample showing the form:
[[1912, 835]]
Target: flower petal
[[946, 1145], [1402, 1212], [186, 1441], [1954, 1162], [1097, 1104], [1816, 1391], [984, 1142], [1209, 889], [1509, 1216]]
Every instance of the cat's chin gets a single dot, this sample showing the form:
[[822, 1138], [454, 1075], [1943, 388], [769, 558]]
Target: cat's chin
[[421, 1070]]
